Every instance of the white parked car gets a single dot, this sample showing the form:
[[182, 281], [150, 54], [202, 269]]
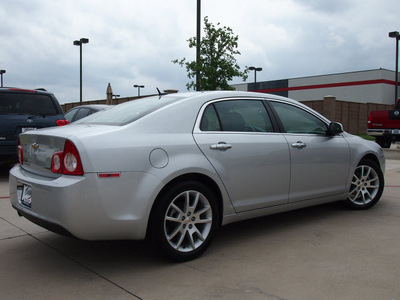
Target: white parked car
[[176, 167]]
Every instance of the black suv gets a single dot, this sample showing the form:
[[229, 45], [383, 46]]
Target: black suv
[[22, 110]]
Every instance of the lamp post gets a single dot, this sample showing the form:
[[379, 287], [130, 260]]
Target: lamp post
[[1, 73], [198, 45], [396, 35], [79, 43], [138, 87], [255, 75]]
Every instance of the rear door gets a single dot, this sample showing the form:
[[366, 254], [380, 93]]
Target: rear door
[[238, 138]]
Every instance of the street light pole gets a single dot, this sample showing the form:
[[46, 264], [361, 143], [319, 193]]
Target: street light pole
[[396, 35], [79, 43], [1, 73], [255, 75], [138, 87], [198, 46]]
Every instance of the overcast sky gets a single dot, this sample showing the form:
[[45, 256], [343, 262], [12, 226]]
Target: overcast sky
[[133, 42]]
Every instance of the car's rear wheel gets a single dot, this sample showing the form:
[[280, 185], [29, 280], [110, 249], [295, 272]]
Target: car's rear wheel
[[184, 221], [366, 185]]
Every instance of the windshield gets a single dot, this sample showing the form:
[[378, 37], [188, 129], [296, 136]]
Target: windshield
[[128, 112]]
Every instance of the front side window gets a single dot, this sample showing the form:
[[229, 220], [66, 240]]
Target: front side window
[[236, 116], [297, 120]]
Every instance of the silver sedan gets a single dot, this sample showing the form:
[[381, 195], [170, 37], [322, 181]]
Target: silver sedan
[[174, 168]]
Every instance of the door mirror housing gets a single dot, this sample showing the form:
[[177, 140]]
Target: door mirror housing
[[334, 128]]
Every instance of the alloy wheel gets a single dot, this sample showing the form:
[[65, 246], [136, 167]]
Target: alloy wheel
[[188, 221], [364, 185]]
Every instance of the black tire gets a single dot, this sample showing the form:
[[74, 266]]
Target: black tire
[[384, 142], [184, 221], [367, 185]]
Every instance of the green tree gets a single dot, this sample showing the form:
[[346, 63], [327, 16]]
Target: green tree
[[217, 63]]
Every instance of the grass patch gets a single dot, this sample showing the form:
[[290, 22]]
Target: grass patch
[[367, 137]]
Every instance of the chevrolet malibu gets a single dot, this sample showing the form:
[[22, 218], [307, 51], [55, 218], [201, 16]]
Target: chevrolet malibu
[[175, 167]]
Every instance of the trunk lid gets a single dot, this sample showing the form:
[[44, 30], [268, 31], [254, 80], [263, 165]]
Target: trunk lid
[[39, 146]]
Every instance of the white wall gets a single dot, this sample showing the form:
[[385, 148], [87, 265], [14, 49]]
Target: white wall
[[382, 93], [375, 93]]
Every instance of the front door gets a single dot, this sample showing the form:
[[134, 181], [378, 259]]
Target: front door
[[319, 163]]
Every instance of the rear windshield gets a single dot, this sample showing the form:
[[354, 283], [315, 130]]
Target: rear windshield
[[128, 112], [26, 104]]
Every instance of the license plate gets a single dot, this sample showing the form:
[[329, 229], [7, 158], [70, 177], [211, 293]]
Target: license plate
[[396, 131], [25, 129], [24, 194]]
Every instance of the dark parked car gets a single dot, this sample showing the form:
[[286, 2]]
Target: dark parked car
[[79, 112], [22, 110]]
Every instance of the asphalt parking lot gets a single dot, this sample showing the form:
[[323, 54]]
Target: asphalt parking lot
[[324, 252]]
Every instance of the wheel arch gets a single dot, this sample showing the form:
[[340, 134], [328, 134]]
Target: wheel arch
[[197, 177], [371, 157]]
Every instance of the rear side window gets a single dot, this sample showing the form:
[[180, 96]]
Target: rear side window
[[26, 104], [71, 114], [236, 116]]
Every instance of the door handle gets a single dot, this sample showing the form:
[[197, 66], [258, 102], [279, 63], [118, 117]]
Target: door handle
[[299, 145], [221, 146]]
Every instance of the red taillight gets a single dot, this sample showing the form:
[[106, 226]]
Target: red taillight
[[67, 162], [20, 152], [56, 162], [62, 122], [369, 123]]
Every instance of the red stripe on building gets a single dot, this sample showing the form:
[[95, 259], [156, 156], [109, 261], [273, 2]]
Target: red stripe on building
[[328, 85]]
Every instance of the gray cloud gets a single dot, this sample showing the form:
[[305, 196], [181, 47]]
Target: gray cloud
[[133, 42]]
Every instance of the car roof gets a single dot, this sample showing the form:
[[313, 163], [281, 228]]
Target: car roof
[[23, 90], [209, 95], [93, 106]]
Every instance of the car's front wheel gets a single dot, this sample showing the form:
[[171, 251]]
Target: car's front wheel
[[184, 221], [366, 185]]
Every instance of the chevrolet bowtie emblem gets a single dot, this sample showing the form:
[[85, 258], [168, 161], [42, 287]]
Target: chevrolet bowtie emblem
[[35, 146]]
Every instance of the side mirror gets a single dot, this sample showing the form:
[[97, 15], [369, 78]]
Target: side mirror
[[334, 128]]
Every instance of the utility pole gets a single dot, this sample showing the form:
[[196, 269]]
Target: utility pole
[[198, 45], [396, 35]]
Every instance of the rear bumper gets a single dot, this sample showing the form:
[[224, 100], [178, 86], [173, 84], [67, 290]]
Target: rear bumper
[[43, 223], [87, 207], [382, 132]]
